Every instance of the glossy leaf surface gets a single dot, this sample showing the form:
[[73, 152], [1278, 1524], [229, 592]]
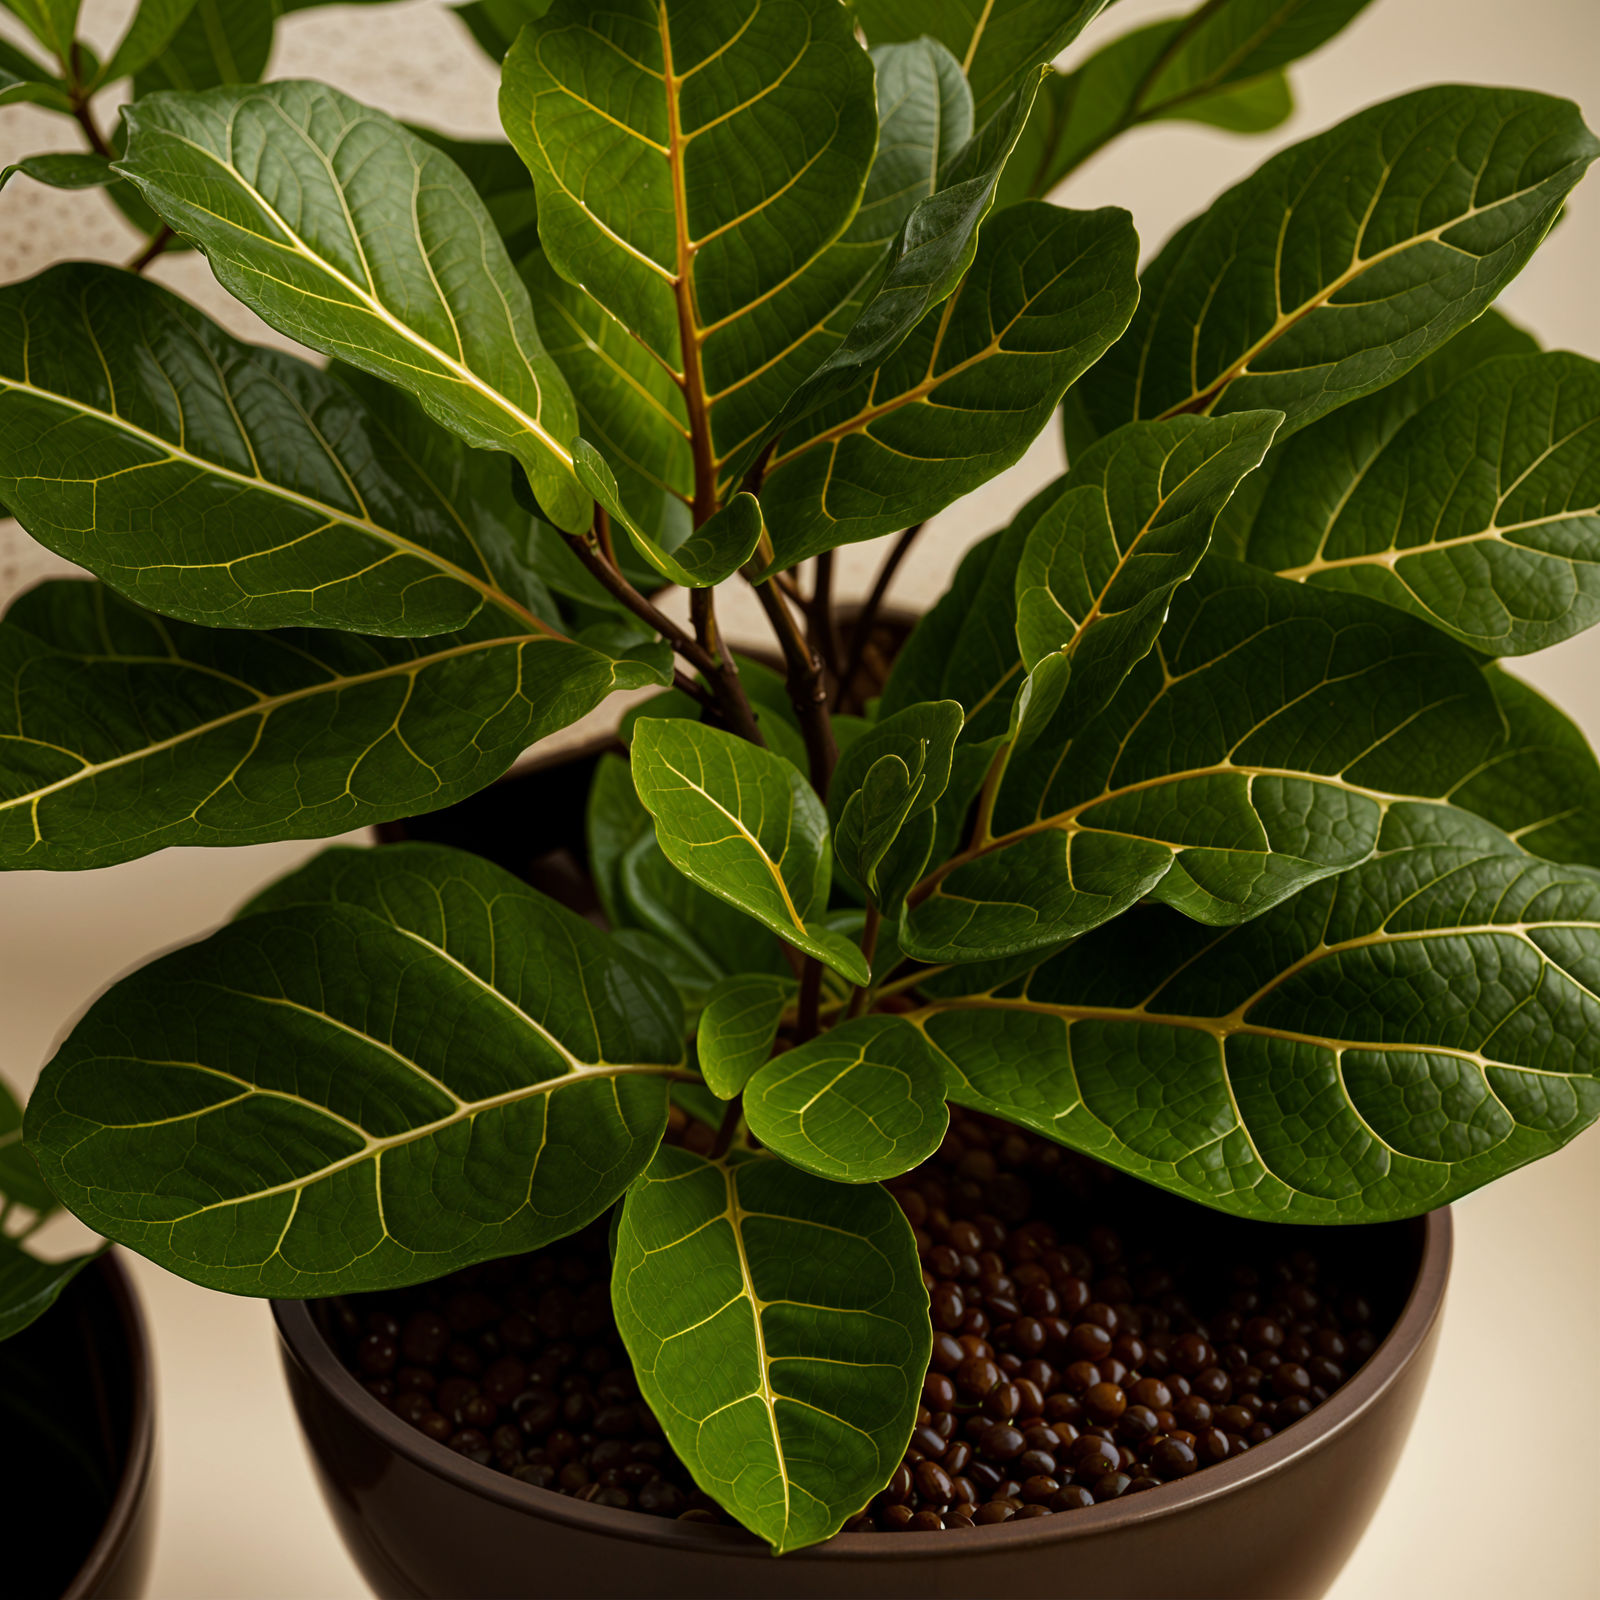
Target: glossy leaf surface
[[1376, 1046], [349, 233], [779, 1329], [743, 823], [737, 1028], [1481, 513], [858, 1104], [123, 733], [1345, 259], [229, 484], [291, 1105]]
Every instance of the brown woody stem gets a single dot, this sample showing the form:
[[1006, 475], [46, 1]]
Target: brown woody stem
[[807, 693], [810, 997], [868, 615]]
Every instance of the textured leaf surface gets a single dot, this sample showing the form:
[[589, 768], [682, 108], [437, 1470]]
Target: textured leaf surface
[[1256, 748], [228, 484], [399, 1062], [743, 823], [354, 236], [1480, 513], [962, 398], [858, 1104], [737, 1029], [220, 41], [497, 172], [779, 1329], [1378, 1045], [123, 733], [1345, 259]]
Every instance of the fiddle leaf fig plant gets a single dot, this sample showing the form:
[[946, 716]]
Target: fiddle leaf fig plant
[[1199, 827]]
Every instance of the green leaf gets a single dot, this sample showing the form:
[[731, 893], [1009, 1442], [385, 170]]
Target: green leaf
[[614, 821], [1099, 569], [1256, 749], [1345, 259], [744, 824], [15, 90], [284, 185], [922, 736], [53, 23], [996, 41], [965, 395], [218, 42], [152, 30], [20, 1180], [122, 733], [1380, 1044], [66, 169], [497, 172], [1480, 513], [873, 817], [737, 1029], [495, 23], [779, 1329], [287, 1108], [236, 486], [29, 1286], [696, 165], [859, 1104]]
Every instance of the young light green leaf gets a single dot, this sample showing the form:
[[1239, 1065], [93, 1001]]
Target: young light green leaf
[[1322, 276], [965, 395], [1380, 1044], [779, 1329], [122, 733], [744, 824], [66, 169], [29, 1286], [737, 1028], [922, 735], [858, 1104], [1257, 748], [285, 185], [696, 168], [1481, 513], [874, 815], [232, 485], [286, 1107], [1101, 564]]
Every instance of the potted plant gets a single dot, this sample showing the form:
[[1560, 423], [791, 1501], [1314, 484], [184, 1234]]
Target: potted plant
[[1196, 829]]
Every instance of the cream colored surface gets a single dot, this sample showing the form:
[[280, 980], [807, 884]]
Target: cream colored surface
[[1499, 1492]]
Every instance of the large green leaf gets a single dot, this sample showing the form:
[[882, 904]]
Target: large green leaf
[[1378, 1045], [219, 41], [399, 1062], [148, 35], [779, 1329], [122, 733], [1345, 259], [744, 824], [495, 23], [858, 1104], [29, 1286], [352, 235], [497, 172], [965, 395], [1099, 569], [696, 166], [228, 484], [1255, 749], [24, 81], [1481, 513], [996, 41]]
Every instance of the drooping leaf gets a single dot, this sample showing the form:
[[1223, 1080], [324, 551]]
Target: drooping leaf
[[1480, 513], [290, 1107], [1099, 569], [123, 733], [497, 172], [996, 41], [34, 89], [696, 166], [779, 1329], [289, 187], [858, 1104], [29, 1286], [744, 824], [149, 33], [65, 169], [228, 484], [1256, 749], [1345, 259], [1378, 1045], [965, 395], [737, 1028]]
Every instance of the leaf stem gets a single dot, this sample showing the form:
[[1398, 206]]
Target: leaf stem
[[861, 998], [602, 532], [723, 675], [807, 692], [868, 615], [731, 1119], [821, 634], [153, 246], [620, 589], [810, 999]]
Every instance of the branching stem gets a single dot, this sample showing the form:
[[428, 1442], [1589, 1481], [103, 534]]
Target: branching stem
[[807, 692]]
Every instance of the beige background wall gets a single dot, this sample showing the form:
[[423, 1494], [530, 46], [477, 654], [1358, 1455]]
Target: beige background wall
[[1499, 1492]]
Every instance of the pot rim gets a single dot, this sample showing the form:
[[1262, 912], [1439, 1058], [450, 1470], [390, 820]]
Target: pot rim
[[128, 1501], [1366, 1389]]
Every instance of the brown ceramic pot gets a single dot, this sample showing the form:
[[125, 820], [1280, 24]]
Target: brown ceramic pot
[[87, 1361]]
